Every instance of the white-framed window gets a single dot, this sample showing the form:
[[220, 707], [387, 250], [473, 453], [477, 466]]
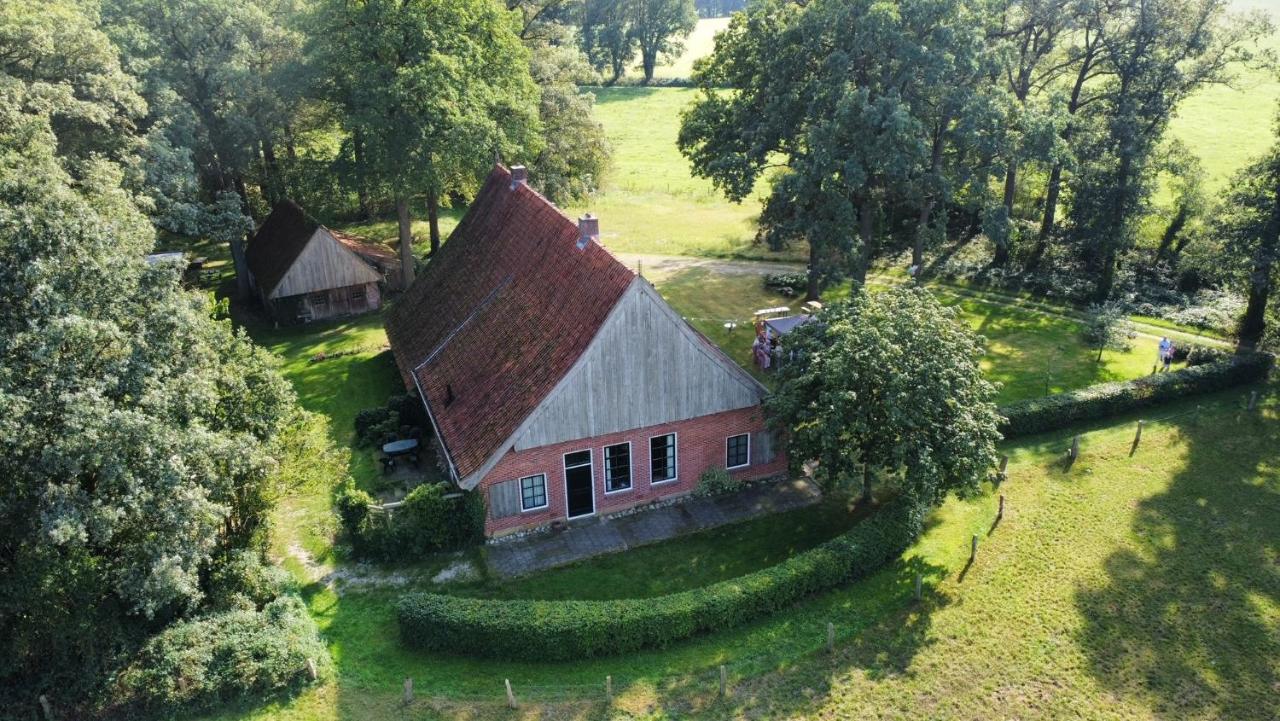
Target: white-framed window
[[737, 451], [662, 458], [533, 492], [617, 467]]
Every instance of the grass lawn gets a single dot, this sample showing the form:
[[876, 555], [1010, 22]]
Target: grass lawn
[[1143, 587], [1029, 352], [700, 43]]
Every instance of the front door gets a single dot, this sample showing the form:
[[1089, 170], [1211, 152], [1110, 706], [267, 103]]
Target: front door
[[578, 484]]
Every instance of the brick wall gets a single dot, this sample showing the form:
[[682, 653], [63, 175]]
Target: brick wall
[[700, 444]]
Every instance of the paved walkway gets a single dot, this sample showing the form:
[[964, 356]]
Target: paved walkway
[[598, 536]]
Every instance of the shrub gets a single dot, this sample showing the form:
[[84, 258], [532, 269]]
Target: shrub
[[560, 630], [244, 581], [224, 657], [716, 481], [788, 284], [1199, 355], [431, 518], [1037, 415], [374, 423]]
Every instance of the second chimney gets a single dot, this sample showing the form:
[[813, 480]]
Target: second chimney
[[588, 230], [519, 174]]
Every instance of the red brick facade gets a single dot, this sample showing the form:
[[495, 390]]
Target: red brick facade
[[700, 444]]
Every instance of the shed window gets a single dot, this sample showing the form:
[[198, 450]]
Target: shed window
[[737, 451], [533, 492], [319, 300], [617, 467], [357, 294], [662, 458]]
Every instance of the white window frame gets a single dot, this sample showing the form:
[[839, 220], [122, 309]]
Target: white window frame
[[675, 442], [546, 493], [728, 467], [590, 465], [631, 468]]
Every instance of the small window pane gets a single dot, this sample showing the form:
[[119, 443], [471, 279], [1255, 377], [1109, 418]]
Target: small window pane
[[617, 467], [662, 458], [533, 492], [581, 458], [738, 451]]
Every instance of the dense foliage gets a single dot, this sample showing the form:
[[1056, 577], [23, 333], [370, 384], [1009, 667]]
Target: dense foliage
[[223, 657], [1036, 415], [892, 122], [1250, 225], [564, 630], [139, 436], [431, 518], [613, 30], [888, 383]]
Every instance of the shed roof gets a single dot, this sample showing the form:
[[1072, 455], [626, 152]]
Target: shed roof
[[283, 239], [501, 313]]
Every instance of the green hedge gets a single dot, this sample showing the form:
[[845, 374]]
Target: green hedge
[[1037, 415], [562, 630]]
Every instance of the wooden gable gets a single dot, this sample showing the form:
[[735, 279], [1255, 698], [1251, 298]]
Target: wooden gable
[[324, 263], [645, 367]]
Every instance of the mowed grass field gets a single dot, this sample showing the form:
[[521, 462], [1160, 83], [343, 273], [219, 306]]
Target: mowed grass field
[[1129, 587]]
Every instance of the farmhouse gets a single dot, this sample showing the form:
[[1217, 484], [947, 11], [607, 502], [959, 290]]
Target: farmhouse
[[302, 271], [559, 383]]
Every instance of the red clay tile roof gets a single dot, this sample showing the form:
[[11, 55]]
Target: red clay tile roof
[[501, 313], [278, 242]]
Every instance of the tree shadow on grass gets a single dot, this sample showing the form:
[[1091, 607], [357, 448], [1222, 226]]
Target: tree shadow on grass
[[1187, 617], [880, 636]]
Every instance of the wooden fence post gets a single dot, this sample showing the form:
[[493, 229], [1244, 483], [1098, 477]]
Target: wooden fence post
[[408, 691], [1137, 437], [831, 637], [511, 696], [1075, 447], [919, 586], [608, 689], [1253, 400], [1004, 463], [724, 681], [973, 549], [311, 669], [1000, 511]]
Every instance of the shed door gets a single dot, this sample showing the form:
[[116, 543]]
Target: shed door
[[578, 484]]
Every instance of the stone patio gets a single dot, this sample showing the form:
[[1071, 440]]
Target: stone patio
[[597, 536]]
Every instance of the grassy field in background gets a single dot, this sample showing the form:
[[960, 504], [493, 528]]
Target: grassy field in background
[[1140, 587], [700, 43]]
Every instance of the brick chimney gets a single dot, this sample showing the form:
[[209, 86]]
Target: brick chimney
[[588, 230], [519, 174]]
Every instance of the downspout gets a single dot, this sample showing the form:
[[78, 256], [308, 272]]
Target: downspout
[[453, 471]]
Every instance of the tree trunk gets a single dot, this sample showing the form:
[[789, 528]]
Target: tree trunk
[[273, 187], [866, 233], [1010, 186], [433, 219], [240, 266], [866, 483], [926, 211], [812, 289], [362, 190], [406, 241], [1110, 250], [1055, 175], [650, 60], [1254, 322]]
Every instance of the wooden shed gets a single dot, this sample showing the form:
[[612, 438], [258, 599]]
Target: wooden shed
[[302, 271]]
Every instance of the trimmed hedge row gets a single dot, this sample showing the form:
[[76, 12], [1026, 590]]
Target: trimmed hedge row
[[563, 630], [1037, 415]]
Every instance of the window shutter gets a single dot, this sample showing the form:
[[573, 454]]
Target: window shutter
[[504, 499], [762, 448]]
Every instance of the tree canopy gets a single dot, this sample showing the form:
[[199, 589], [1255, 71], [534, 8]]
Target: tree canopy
[[888, 383]]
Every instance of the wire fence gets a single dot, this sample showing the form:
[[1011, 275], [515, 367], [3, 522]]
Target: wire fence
[[718, 681]]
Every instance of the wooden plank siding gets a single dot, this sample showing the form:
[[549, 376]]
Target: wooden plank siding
[[645, 367], [322, 265]]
